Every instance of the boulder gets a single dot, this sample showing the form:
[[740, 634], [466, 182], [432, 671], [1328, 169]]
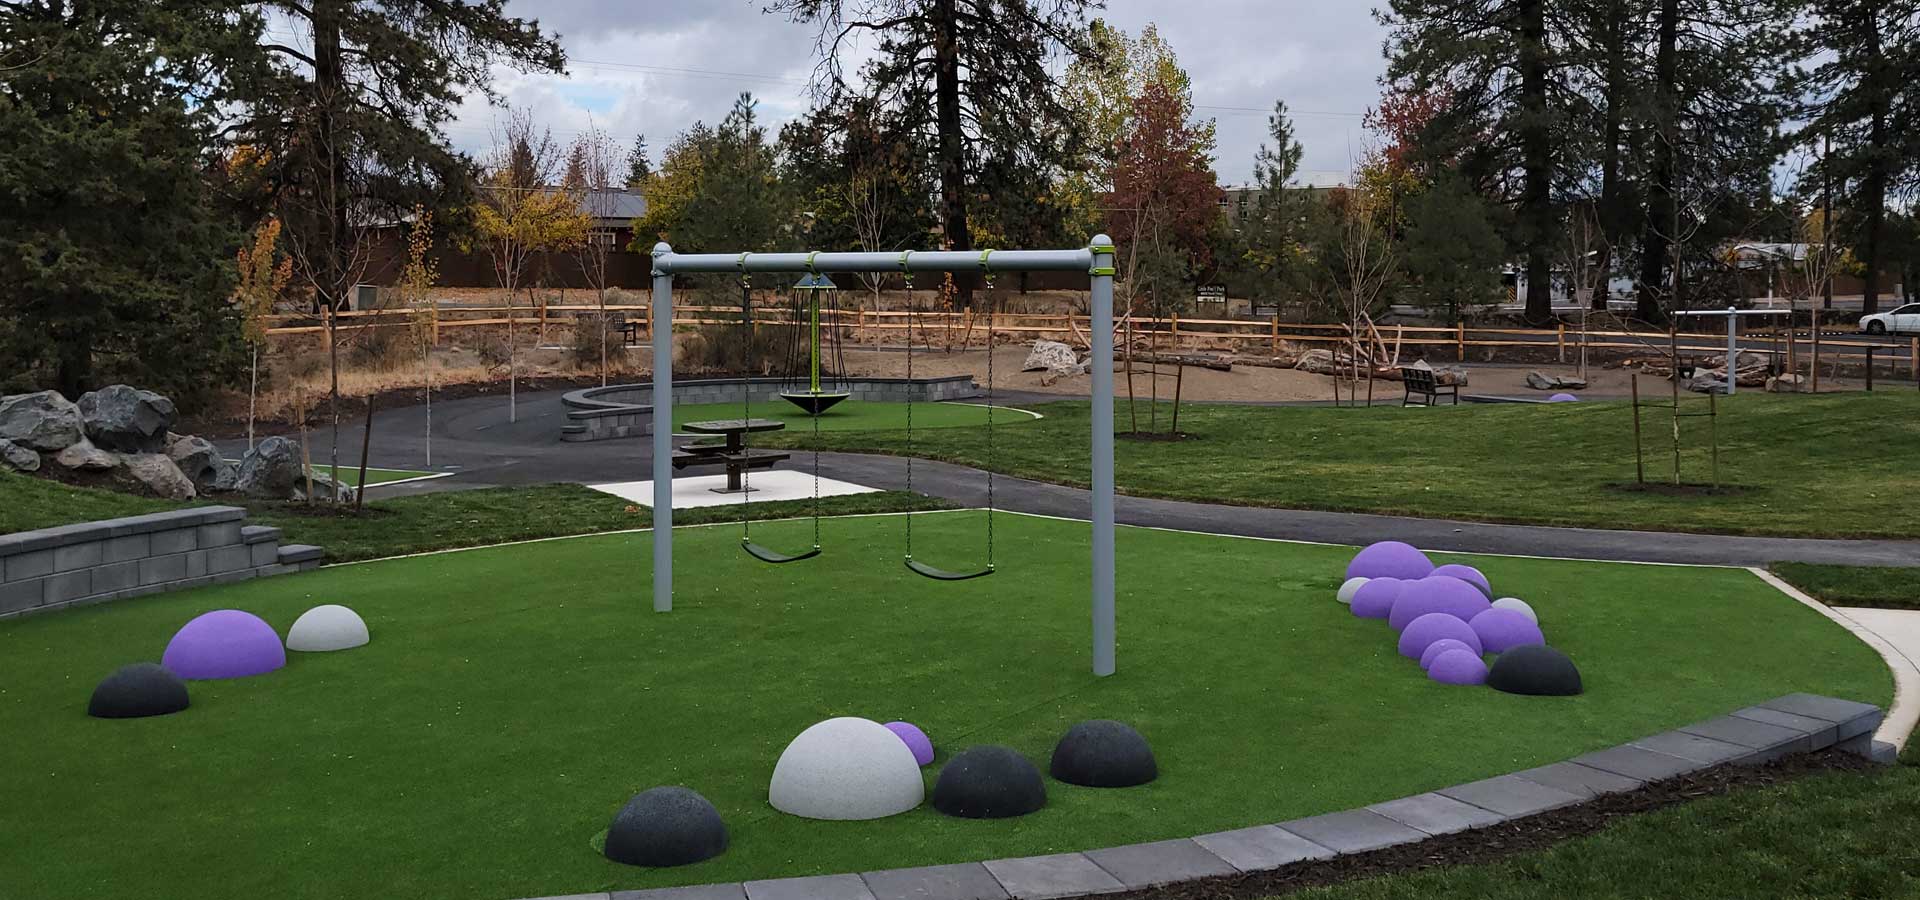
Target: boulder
[[666, 826], [1787, 384], [324, 488], [1541, 381], [44, 421], [1103, 753], [1318, 362], [157, 474], [137, 691], [18, 457], [83, 456], [270, 471], [1050, 356], [118, 417], [200, 462], [989, 782]]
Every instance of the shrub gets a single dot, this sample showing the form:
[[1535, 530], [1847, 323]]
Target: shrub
[[732, 349], [589, 331]]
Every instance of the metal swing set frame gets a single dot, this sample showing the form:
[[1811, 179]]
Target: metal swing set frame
[[1096, 259]]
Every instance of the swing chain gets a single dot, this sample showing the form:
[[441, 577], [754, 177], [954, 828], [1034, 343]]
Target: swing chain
[[746, 401], [989, 404], [907, 276]]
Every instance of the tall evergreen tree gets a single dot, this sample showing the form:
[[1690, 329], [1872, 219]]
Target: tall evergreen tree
[[1271, 223], [1503, 76], [114, 261], [638, 165], [1865, 105], [969, 79]]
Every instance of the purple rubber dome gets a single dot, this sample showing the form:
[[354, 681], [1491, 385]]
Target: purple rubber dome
[[1469, 575], [1422, 632], [1390, 559], [1461, 667], [1437, 594], [1374, 600], [915, 739], [1438, 647], [1501, 630], [225, 643], [1563, 398]]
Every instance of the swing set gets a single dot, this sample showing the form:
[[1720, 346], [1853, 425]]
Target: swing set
[[1096, 260]]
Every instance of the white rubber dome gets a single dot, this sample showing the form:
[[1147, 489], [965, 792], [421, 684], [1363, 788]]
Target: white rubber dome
[[324, 628], [846, 768]]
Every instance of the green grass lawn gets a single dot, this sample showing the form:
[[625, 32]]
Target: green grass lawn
[[423, 522], [1886, 587], [1834, 465], [513, 698], [351, 475], [1831, 835], [854, 415]]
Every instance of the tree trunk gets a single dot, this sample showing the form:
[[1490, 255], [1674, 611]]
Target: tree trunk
[[952, 143], [1536, 138], [1612, 217], [75, 374], [366, 443], [1662, 207], [1873, 188]]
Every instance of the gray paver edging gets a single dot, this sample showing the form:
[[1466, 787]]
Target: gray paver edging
[[1795, 723]]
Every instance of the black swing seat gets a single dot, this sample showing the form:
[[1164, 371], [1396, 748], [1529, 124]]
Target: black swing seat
[[921, 568], [774, 556], [814, 403]]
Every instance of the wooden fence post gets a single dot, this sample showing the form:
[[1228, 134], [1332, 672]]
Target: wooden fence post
[[1563, 343], [1176, 332], [1276, 334], [1460, 339]]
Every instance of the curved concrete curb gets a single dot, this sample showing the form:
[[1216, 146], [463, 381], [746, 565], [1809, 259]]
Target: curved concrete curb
[[1905, 713], [1796, 723]]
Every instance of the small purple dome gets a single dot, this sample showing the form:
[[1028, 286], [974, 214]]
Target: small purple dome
[[1469, 575], [1458, 667], [1389, 559], [1374, 600], [915, 739], [1562, 398], [225, 643], [1501, 630], [1432, 627], [1437, 594], [1438, 647]]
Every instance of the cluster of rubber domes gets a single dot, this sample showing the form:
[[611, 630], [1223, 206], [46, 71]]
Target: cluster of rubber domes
[[225, 643], [1447, 617]]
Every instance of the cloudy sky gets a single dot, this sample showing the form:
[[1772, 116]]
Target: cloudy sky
[[657, 66]]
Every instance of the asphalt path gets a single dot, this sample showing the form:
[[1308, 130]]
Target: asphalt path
[[477, 440]]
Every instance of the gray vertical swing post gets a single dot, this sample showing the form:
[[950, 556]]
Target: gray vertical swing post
[[1733, 348], [660, 310], [1101, 370]]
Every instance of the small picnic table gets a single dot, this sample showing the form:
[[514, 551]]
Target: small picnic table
[[734, 453]]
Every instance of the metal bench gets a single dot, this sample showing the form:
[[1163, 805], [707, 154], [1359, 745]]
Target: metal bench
[[1424, 388]]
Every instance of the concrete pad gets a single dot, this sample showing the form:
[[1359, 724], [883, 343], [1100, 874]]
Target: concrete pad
[[731, 891], [1353, 831], [1260, 848], [811, 887], [1160, 862], [1436, 814], [1638, 762], [1575, 778], [1050, 877], [965, 881], [1820, 733], [1704, 750], [1768, 742], [1512, 796], [768, 486]]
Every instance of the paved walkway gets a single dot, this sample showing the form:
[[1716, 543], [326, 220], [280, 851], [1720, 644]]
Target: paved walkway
[[474, 438]]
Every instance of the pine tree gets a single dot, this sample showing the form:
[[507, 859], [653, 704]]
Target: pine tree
[[638, 166], [1271, 226], [969, 79], [115, 261]]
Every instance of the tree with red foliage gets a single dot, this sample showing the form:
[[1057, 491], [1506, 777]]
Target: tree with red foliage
[[1165, 196], [1402, 118]]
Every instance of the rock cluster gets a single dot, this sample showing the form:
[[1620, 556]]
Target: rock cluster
[[124, 433]]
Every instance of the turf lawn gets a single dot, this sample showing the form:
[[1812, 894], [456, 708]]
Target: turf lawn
[[853, 415], [436, 521], [515, 697], [1886, 587], [1837, 465], [351, 475]]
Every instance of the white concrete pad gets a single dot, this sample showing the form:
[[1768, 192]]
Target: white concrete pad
[[768, 486]]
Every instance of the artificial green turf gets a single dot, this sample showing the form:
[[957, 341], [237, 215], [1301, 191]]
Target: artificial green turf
[[513, 699], [854, 415], [1834, 465], [1885, 587], [1831, 835]]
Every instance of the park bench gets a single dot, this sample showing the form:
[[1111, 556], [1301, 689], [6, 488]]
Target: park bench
[[1424, 388], [734, 454]]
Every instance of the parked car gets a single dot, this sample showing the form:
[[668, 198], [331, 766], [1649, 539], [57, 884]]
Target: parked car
[[1900, 320]]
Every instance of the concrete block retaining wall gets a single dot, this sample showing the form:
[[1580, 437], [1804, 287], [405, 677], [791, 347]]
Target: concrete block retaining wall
[[625, 410], [93, 562], [1796, 723]]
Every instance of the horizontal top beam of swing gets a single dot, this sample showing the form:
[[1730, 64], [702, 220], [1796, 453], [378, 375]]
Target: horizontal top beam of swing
[[667, 262]]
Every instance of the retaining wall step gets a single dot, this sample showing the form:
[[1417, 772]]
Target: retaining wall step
[[258, 534], [294, 554]]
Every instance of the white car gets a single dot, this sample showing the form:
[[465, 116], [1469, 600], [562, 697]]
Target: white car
[[1901, 320]]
